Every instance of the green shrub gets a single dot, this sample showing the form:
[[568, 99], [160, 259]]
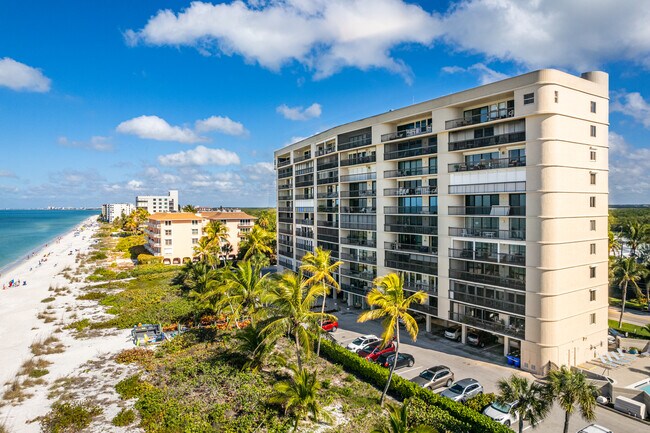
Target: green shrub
[[99, 255], [69, 417], [48, 299], [480, 402], [148, 259], [137, 355], [79, 325], [92, 296], [38, 372], [102, 274], [124, 417], [132, 387]]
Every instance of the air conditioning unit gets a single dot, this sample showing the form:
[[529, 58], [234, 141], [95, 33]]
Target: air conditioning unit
[[630, 407]]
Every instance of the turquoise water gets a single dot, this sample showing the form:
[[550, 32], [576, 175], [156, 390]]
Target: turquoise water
[[645, 387], [23, 231]]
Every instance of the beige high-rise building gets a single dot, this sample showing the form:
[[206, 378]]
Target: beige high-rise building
[[492, 200]]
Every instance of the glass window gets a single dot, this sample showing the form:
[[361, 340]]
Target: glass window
[[592, 155], [592, 272], [593, 106], [529, 98], [593, 130], [592, 201], [592, 225]]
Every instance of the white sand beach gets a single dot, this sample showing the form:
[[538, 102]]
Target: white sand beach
[[82, 361]]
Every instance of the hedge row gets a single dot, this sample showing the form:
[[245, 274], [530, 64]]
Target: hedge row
[[460, 416]]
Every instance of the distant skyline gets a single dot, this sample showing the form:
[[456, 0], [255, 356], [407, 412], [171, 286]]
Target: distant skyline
[[102, 101]]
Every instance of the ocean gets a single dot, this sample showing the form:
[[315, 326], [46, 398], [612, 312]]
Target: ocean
[[23, 231]]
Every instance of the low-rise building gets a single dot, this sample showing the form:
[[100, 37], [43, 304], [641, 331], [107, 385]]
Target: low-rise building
[[158, 203], [238, 224], [110, 211]]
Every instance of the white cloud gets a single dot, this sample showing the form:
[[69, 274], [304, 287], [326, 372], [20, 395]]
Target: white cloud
[[134, 185], [485, 74], [155, 128], [633, 105], [628, 169], [300, 113], [7, 173], [224, 125], [19, 76], [201, 155], [96, 142]]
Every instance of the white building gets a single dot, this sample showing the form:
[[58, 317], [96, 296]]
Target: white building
[[158, 203], [110, 211]]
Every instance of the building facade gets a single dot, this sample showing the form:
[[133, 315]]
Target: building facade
[[114, 210], [492, 200], [238, 224], [158, 203]]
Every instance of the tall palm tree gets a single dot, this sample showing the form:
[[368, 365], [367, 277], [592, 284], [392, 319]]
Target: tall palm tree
[[636, 233], [246, 289], [291, 300], [614, 244], [572, 390], [204, 249], [206, 286], [388, 297], [299, 396], [319, 265], [258, 241], [627, 271], [217, 233], [189, 208], [398, 422], [253, 344], [534, 402]]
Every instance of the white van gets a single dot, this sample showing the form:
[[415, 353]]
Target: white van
[[595, 428]]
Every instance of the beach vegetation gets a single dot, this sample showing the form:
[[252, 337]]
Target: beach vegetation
[[32, 366], [137, 355], [79, 325], [124, 418], [15, 391], [66, 417], [47, 346], [98, 255], [92, 296], [148, 259], [48, 299], [38, 373], [132, 387]]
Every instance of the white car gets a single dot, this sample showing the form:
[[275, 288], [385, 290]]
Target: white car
[[362, 342], [502, 413], [595, 428]]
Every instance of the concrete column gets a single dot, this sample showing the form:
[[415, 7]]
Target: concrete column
[[350, 302], [506, 345], [463, 333], [428, 323]]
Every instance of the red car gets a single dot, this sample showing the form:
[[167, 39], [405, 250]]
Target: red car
[[330, 325], [375, 350]]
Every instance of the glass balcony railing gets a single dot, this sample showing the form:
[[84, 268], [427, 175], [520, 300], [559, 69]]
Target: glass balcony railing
[[410, 210], [488, 256], [406, 133], [410, 248], [407, 153], [367, 159], [359, 177], [496, 210], [370, 243], [359, 209], [304, 157], [352, 144], [411, 229], [359, 193], [493, 140], [488, 164], [489, 325], [405, 172], [491, 280], [421, 190], [503, 113], [518, 235]]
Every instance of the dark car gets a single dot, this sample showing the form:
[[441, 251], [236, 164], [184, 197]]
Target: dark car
[[373, 351], [480, 338], [434, 377], [403, 360], [330, 325]]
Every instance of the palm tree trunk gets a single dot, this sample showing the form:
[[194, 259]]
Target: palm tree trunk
[[521, 424], [392, 368], [566, 422], [295, 334], [322, 312], [624, 296]]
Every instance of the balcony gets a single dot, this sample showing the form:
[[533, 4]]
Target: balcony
[[285, 219], [491, 280], [495, 210], [285, 231], [359, 160], [358, 209], [474, 143], [405, 133], [411, 263], [328, 209], [488, 188], [359, 258], [327, 165], [288, 197], [326, 180], [331, 224], [301, 183], [287, 242], [305, 196], [498, 327], [407, 153], [359, 226], [410, 248], [305, 232], [517, 235], [411, 229], [304, 246], [488, 164], [325, 151], [285, 251], [361, 275], [359, 177], [285, 209], [487, 256], [352, 144], [304, 157], [331, 194], [410, 210], [403, 192], [305, 222], [406, 172], [480, 118], [285, 263], [496, 304], [416, 286], [359, 193], [303, 171], [354, 289], [286, 172], [424, 308], [327, 238], [285, 186], [360, 242], [283, 162]]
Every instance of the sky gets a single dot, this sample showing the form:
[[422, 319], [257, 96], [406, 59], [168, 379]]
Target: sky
[[101, 101]]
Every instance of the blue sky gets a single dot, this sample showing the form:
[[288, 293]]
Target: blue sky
[[104, 100]]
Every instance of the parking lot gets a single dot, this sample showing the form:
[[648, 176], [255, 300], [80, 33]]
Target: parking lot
[[487, 365]]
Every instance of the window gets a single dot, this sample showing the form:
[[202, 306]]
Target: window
[[168, 241], [593, 106], [557, 96], [592, 272], [592, 248], [168, 232], [592, 295], [592, 201], [195, 223], [195, 231], [592, 225], [195, 241], [592, 318], [593, 130], [592, 155], [529, 98], [592, 178], [168, 223]]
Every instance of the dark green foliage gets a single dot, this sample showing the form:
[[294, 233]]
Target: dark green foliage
[[124, 417], [68, 417], [480, 402], [132, 387], [92, 296]]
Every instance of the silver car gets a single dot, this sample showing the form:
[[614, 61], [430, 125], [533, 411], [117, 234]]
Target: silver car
[[434, 377], [502, 413], [463, 390], [362, 342]]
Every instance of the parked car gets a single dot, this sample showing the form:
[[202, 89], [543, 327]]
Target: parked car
[[374, 350], [403, 360], [330, 325], [453, 333], [502, 413], [463, 389], [480, 338], [595, 428], [434, 377], [362, 342]]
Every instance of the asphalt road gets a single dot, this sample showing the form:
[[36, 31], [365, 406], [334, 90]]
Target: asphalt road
[[485, 365], [633, 317]]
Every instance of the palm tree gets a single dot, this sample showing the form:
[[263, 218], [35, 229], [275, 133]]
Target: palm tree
[[299, 395], [627, 271], [398, 422], [614, 244], [571, 389], [388, 297], [534, 402], [206, 286], [636, 233], [252, 342], [246, 289], [320, 267], [291, 300], [217, 233], [258, 241], [189, 208], [204, 249]]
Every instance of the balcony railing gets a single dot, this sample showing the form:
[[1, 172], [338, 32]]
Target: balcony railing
[[359, 258], [488, 188], [410, 210], [304, 196], [409, 264], [304, 233], [304, 171], [285, 263], [415, 286], [512, 137], [326, 165], [405, 133], [285, 186], [328, 209], [362, 275], [327, 238], [359, 209], [332, 224], [495, 210], [304, 246], [282, 163], [357, 290], [495, 304], [503, 113], [287, 242], [332, 194], [407, 153], [285, 219], [358, 160], [285, 197], [287, 172], [492, 280], [370, 243], [285, 231], [488, 164], [355, 143], [325, 151], [306, 222], [487, 256], [359, 193], [419, 171], [411, 248], [326, 180], [424, 308], [421, 190], [305, 182], [285, 251], [302, 157], [518, 235], [411, 229], [359, 226], [359, 177], [498, 327]]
